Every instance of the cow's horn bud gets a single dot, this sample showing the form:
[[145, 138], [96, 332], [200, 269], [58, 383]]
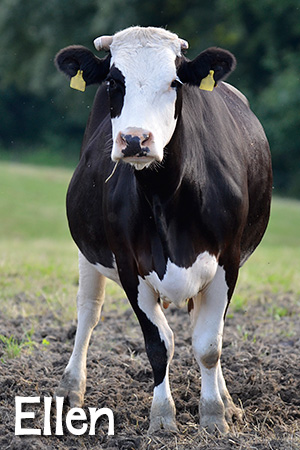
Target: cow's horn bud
[[103, 42], [184, 44]]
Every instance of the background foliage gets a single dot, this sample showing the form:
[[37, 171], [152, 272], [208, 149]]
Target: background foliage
[[43, 120]]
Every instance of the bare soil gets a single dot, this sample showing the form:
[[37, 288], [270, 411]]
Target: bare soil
[[260, 362]]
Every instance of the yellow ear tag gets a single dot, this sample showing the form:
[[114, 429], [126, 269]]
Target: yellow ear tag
[[77, 82], [208, 83]]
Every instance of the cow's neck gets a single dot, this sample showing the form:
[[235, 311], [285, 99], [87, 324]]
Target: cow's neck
[[162, 182]]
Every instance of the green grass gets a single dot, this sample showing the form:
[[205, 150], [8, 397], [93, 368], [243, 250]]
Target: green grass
[[38, 259], [12, 347], [274, 266]]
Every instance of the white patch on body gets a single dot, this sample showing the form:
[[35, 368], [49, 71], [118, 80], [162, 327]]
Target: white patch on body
[[179, 283], [146, 58], [109, 272]]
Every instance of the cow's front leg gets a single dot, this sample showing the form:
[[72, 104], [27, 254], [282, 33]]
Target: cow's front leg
[[208, 321], [159, 342], [89, 302]]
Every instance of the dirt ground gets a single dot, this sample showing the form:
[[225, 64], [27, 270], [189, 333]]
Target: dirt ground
[[260, 362]]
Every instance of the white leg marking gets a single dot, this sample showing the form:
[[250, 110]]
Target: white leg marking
[[89, 302], [207, 320], [163, 408]]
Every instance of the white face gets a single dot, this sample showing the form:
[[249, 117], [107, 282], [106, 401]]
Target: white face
[[147, 117]]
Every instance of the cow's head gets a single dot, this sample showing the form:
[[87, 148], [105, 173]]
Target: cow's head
[[144, 72]]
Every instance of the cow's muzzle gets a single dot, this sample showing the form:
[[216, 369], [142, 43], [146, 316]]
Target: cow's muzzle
[[135, 144]]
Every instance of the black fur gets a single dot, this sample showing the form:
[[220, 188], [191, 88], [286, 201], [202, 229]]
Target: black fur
[[76, 57], [222, 62], [116, 90]]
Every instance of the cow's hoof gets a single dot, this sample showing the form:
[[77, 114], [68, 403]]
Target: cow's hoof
[[161, 423], [232, 412], [212, 416], [72, 391], [162, 416], [214, 424]]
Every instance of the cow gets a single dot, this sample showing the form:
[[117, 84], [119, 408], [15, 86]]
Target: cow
[[170, 197]]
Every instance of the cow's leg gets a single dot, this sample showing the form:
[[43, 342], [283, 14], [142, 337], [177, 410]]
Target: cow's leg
[[159, 342], [208, 321], [89, 302]]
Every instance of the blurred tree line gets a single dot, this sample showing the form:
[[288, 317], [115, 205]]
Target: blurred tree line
[[41, 116]]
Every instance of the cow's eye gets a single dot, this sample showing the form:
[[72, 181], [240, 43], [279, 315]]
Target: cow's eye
[[176, 83], [112, 83]]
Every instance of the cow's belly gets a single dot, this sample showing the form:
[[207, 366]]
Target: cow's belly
[[179, 283]]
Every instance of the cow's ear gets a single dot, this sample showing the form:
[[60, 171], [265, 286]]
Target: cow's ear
[[76, 57], [222, 62]]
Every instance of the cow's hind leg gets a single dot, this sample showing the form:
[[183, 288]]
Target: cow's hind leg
[[159, 342], [208, 321], [89, 302]]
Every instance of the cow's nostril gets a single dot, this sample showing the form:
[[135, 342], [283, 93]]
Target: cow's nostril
[[145, 138], [123, 138], [130, 139]]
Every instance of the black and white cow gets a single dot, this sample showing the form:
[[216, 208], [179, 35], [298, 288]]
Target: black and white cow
[[169, 199]]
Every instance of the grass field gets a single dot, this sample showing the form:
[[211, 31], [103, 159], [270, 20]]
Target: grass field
[[38, 259]]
